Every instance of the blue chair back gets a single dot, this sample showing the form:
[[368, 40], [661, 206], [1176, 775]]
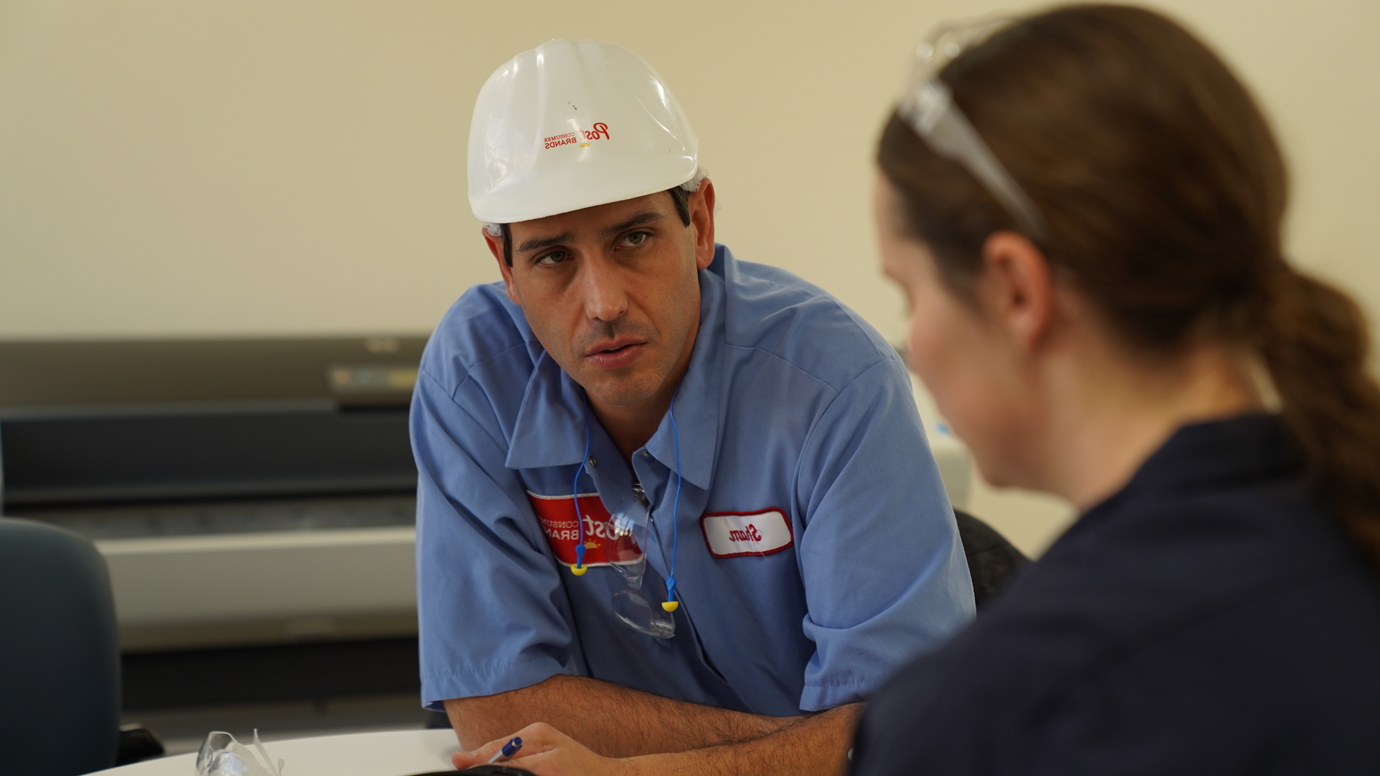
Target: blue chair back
[[59, 653]]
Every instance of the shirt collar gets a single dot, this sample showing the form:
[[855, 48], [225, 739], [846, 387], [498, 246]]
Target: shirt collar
[[697, 402], [1251, 445], [550, 424], [550, 427], [1246, 445]]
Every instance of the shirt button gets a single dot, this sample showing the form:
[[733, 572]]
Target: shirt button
[[646, 454], [593, 464]]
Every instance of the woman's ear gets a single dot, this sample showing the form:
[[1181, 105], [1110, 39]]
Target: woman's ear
[[1016, 288]]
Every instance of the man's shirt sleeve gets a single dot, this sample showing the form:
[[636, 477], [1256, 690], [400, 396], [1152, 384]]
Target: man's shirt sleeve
[[493, 612], [884, 570]]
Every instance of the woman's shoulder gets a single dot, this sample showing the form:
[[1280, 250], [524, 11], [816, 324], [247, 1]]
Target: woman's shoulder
[[1231, 601], [1184, 689]]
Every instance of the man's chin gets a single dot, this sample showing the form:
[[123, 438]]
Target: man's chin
[[619, 393]]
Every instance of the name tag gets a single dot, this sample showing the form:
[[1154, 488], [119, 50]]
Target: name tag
[[562, 529], [754, 533]]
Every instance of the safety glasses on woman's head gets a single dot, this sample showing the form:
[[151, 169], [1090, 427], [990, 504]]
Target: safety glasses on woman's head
[[929, 108]]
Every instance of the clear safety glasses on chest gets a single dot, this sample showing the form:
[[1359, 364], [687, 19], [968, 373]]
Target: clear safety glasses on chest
[[928, 106], [624, 542], [622, 535]]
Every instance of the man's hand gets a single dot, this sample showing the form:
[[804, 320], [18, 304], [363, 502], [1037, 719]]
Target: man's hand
[[810, 745], [545, 751], [612, 721]]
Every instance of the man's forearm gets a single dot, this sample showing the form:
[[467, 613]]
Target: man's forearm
[[612, 721], [817, 744]]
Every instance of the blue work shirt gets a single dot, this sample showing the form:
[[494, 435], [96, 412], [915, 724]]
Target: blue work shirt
[[1210, 618], [792, 409]]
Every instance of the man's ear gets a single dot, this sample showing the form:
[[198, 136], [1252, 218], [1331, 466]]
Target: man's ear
[[1016, 289], [496, 248], [701, 207]]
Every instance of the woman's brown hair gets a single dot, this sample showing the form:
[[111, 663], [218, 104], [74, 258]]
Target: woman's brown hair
[[1163, 191]]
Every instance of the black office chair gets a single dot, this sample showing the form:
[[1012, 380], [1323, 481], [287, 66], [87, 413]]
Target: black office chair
[[59, 657], [992, 560]]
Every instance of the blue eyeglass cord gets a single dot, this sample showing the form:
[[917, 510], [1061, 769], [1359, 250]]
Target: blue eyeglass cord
[[675, 506], [575, 490]]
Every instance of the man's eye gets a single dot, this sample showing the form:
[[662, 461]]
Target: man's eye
[[636, 238], [552, 258]]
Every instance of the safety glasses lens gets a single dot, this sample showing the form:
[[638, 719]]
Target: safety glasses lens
[[632, 607]]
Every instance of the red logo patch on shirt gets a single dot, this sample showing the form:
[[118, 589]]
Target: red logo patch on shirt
[[731, 535], [562, 529]]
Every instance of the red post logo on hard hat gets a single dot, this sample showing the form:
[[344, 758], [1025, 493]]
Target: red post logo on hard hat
[[601, 130]]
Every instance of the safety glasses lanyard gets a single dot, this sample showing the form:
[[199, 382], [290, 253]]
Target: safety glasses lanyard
[[579, 568], [671, 604]]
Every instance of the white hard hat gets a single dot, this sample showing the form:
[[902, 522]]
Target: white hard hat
[[572, 125]]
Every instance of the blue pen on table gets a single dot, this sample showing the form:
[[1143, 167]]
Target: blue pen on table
[[506, 753]]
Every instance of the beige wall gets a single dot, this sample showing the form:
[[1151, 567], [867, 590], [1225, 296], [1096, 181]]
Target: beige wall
[[297, 166]]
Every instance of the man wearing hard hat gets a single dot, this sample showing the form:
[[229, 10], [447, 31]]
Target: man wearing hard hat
[[667, 500]]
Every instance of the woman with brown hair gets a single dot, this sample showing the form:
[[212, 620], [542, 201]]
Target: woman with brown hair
[[1084, 208]]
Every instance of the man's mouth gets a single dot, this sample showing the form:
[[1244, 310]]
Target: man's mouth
[[615, 354]]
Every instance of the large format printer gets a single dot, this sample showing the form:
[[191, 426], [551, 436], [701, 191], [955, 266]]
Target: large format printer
[[242, 491]]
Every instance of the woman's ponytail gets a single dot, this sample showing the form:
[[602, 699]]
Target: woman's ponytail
[[1314, 342], [1164, 192]]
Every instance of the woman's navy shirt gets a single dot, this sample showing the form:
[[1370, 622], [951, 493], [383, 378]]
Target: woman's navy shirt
[[1211, 617]]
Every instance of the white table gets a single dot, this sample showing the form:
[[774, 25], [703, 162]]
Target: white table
[[396, 753]]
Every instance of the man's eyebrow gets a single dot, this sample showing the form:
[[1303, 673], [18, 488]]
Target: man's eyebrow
[[640, 219], [537, 243]]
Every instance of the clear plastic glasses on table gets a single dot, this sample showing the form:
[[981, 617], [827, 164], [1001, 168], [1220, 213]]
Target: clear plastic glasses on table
[[222, 755]]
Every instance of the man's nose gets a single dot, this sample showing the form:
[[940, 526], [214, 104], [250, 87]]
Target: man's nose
[[605, 292]]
